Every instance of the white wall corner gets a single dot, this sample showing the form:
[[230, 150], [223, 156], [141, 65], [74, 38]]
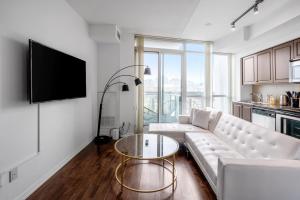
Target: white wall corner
[[105, 33]]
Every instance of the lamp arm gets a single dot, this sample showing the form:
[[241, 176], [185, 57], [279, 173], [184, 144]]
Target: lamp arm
[[109, 80], [108, 86], [100, 106], [119, 77]]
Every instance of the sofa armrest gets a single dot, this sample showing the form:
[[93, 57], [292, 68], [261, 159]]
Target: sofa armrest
[[184, 119], [249, 179]]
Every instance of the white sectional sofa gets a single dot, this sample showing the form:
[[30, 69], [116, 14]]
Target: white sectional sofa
[[184, 125], [243, 161]]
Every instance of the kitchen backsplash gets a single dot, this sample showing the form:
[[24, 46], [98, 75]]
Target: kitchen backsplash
[[275, 89]]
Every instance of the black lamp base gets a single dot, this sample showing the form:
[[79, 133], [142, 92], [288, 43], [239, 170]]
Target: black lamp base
[[102, 139]]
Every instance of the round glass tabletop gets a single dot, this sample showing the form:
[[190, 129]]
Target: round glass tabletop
[[147, 146]]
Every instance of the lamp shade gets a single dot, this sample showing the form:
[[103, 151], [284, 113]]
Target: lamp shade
[[125, 88], [137, 81], [147, 71]]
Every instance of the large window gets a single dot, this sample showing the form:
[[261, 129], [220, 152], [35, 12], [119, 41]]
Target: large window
[[171, 87], [163, 89], [195, 81], [221, 82], [151, 89], [179, 79]]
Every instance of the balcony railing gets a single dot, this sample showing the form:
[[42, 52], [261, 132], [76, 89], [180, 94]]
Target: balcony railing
[[169, 109]]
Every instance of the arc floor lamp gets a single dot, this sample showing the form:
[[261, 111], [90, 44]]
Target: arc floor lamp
[[111, 82]]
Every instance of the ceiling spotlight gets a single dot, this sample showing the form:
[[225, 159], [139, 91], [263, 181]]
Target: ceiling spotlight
[[233, 27], [255, 9]]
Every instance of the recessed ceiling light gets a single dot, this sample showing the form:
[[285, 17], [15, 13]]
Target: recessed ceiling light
[[208, 24]]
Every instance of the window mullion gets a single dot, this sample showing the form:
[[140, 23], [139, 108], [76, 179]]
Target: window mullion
[[183, 84]]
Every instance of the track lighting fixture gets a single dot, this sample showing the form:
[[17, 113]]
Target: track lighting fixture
[[254, 7]]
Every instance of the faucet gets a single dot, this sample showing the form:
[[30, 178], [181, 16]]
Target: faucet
[[259, 96]]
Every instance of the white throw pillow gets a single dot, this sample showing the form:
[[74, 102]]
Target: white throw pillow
[[201, 118], [213, 118]]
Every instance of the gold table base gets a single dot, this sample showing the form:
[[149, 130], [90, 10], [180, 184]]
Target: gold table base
[[122, 165]]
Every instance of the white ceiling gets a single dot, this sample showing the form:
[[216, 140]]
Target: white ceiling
[[175, 18]]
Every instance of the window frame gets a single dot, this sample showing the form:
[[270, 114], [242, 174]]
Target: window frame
[[161, 53], [229, 96], [158, 85], [183, 53], [208, 96]]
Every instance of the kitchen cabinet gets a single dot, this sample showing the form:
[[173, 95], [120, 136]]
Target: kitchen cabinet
[[247, 113], [249, 70], [264, 66], [237, 110], [242, 111], [282, 54], [296, 53], [270, 65]]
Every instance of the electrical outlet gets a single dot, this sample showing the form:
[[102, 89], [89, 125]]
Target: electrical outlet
[[13, 174]]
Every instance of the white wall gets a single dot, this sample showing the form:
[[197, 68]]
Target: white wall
[[128, 99], [65, 126], [112, 57], [109, 62]]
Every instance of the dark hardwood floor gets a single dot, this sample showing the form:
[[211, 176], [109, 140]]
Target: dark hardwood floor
[[90, 175]]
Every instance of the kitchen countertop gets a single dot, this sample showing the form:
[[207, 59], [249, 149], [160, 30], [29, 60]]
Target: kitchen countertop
[[277, 108]]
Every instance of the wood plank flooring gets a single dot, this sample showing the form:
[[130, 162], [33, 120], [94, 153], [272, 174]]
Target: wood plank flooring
[[90, 175]]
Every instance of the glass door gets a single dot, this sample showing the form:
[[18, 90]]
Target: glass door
[[170, 87], [162, 90], [151, 88]]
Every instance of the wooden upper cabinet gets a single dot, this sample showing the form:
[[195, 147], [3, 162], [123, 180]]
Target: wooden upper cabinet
[[249, 69], [282, 54], [271, 65], [264, 66], [296, 49]]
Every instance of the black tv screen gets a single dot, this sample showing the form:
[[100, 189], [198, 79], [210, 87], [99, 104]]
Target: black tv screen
[[54, 75]]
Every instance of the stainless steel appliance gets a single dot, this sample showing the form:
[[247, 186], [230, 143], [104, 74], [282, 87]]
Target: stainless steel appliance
[[288, 124], [284, 100], [264, 118], [294, 71]]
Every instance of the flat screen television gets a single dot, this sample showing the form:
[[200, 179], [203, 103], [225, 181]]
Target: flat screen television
[[54, 75]]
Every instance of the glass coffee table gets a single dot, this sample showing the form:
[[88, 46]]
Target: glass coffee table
[[151, 147]]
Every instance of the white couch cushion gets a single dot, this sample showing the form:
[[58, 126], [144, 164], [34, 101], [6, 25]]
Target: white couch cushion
[[208, 148], [201, 118], [253, 141], [213, 117], [174, 130], [184, 119]]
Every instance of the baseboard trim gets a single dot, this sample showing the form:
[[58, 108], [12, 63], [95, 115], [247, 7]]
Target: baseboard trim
[[33, 187]]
